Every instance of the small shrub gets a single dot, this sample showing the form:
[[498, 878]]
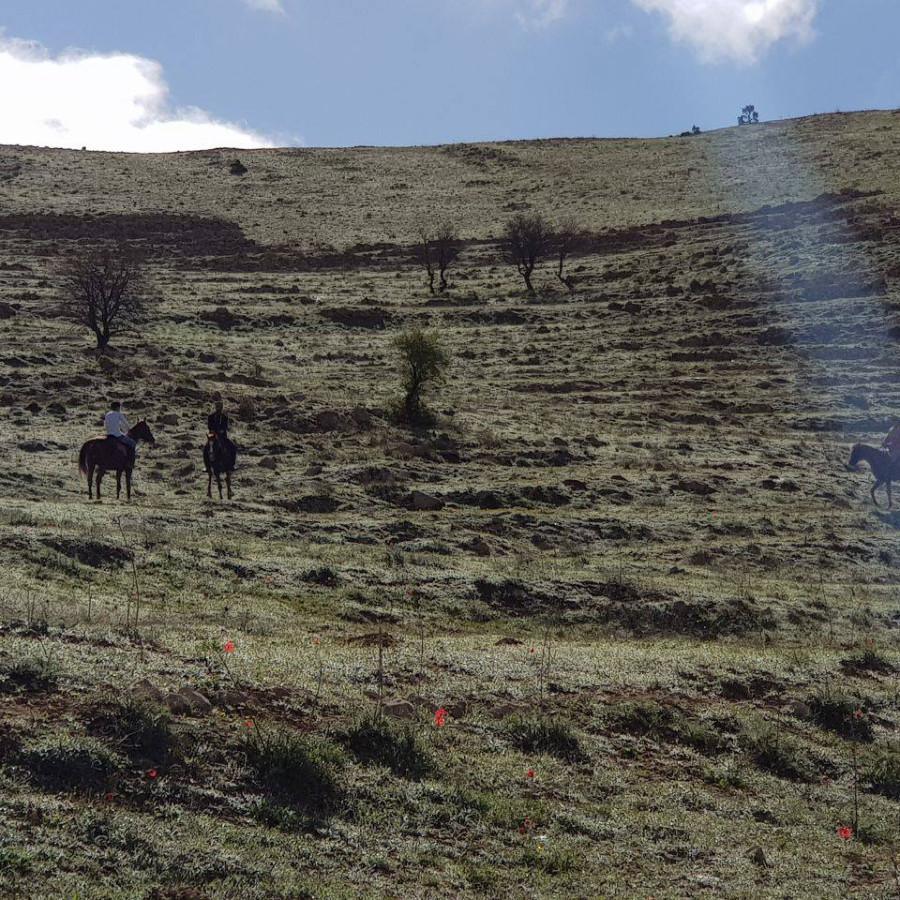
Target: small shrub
[[883, 774], [143, 729], [867, 661], [841, 715], [30, 674], [15, 861], [776, 753], [70, 765], [545, 736], [376, 741], [641, 717], [296, 769], [246, 409], [236, 167], [647, 718]]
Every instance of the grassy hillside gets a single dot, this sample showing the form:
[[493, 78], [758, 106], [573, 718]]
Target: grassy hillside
[[660, 613]]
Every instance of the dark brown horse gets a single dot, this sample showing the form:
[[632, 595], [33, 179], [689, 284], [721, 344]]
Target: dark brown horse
[[102, 455], [219, 458], [884, 469]]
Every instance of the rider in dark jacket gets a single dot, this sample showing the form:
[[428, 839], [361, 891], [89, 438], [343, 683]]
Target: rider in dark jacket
[[217, 426]]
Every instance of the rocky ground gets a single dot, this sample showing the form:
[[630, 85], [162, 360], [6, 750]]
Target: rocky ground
[[628, 562]]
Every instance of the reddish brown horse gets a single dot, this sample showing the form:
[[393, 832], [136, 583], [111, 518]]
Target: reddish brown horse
[[884, 469], [108, 454]]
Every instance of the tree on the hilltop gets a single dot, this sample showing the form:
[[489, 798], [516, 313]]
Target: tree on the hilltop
[[749, 115], [527, 241], [565, 240], [423, 361], [437, 249], [104, 289]]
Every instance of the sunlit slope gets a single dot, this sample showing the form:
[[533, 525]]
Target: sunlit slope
[[346, 196]]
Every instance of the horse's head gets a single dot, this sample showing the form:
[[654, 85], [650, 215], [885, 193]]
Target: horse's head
[[855, 456], [141, 432]]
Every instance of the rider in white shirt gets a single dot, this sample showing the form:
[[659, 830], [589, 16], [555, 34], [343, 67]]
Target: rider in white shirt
[[116, 424]]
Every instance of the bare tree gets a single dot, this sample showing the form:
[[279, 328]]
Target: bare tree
[[527, 241], [565, 239], [437, 250], [104, 290]]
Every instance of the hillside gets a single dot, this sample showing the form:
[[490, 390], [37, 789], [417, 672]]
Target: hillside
[[629, 558]]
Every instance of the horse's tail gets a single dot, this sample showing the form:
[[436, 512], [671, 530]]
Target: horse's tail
[[82, 459]]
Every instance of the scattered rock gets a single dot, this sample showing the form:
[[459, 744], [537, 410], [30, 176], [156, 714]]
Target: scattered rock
[[188, 702], [169, 419], [7, 311], [758, 856], [268, 462], [399, 709], [221, 316], [146, 690], [425, 502], [693, 487]]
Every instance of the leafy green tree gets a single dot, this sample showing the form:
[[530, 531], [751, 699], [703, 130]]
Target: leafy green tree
[[423, 361]]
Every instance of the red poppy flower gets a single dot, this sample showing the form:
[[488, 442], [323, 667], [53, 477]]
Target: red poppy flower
[[526, 826], [317, 641], [152, 773], [531, 650], [110, 797], [440, 717], [248, 723], [858, 714], [529, 773], [229, 647], [845, 832]]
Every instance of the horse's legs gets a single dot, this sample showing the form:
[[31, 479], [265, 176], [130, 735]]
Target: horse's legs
[[876, 485], [890, 500], [219, 482], [100, 474], [228, 483], [128, 483], [90, 478], [118, 483]]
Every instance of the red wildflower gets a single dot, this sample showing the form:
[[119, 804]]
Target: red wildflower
[[440, 717], [845, 832], [531, 650], [248, 723], [110, 797], [317, 641], [229, 647], [858, 714], [152, 773], [526, 826], [530, 773]]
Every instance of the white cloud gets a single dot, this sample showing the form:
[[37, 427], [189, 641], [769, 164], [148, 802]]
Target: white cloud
[[735, 29], [103, 102], [538, 14], [273, 6]]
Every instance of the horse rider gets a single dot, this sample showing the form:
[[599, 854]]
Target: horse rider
[[217, 426], [116, 424], [892, 443]]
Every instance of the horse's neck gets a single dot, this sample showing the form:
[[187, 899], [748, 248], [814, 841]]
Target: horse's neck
[[133, 431]]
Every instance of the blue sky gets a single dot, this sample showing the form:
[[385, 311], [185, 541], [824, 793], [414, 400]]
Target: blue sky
[[179, 74]]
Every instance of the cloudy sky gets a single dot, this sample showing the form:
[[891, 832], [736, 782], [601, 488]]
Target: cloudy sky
[[189, 74]]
